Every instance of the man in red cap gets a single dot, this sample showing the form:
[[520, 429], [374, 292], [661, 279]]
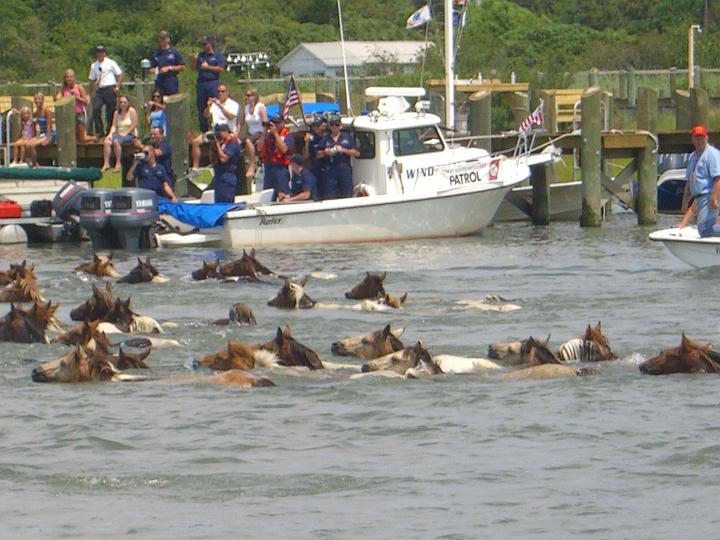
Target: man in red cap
[[702, 175]]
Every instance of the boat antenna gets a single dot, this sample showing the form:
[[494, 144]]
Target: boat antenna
[[344, 59], [449, 67]]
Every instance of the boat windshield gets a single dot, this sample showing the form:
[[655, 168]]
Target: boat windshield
[[416, 140]]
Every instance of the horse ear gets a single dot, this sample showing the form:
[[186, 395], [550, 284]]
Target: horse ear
[[685, 343], [598, 327], [305, 280], [139, 261], [382, 278], [419, 345], [367, 274], [286, 331], [279, 334], [546, 340], [95, 290], [96, 259], [252, 252], [244, 253], [386, 331], [403, 298], [110, 256]]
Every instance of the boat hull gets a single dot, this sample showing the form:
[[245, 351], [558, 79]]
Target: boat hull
[[686, 245], [565, 203], [366, 219]]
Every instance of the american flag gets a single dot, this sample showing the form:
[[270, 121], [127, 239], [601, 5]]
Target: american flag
[[293, 97], [536, 118]]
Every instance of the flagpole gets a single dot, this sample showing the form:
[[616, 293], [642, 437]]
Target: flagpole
[[345, 72], [449, 67]]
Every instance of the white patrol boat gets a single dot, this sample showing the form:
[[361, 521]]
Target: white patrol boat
[[409, 183]]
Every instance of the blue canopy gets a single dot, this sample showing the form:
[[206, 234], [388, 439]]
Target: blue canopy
[[308, 108], [202, 215]]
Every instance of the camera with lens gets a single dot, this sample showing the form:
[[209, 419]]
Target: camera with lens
[[140, 156], [210, 137]]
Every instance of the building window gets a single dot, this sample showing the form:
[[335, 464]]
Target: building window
[[418, 140]]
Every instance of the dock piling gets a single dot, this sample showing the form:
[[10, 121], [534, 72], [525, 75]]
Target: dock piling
[[591, 141], [646, 203], [66, 135], [480, 118], [177, 111]]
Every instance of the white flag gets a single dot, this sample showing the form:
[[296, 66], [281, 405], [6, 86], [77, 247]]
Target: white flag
[[419, 18]]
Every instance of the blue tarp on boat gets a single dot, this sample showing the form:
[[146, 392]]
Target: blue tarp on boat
[[202, 216], [308, 108]]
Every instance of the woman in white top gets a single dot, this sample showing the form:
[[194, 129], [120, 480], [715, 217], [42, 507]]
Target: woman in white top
[[255, 118], [123, 131]]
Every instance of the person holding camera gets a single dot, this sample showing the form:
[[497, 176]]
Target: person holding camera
[[338, 147], [273, 147], [225, 152], [221, 110], [155, 111], [149, 174]]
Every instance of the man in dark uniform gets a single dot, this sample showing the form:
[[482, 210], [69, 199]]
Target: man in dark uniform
[[302, 182], [338, 147], [149, 174], [167, 62], [314, 140], [209, 64], [163, 150], [225, 154]]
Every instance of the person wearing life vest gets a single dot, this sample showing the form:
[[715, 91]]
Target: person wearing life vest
[[274, 148]]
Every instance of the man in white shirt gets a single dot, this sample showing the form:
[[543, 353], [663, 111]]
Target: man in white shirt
[[221, 110], [105, 77]]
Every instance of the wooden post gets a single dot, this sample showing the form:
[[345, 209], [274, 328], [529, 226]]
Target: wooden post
[[549, 111], [699, 106], [590, 145], [177, 111], [622, 85], [593, 77], [607, 109], [520, 109], [66, 138], [673, 85], [647, 109], [540, 179], [646, 204], [480, 118], [683, 121], [699, 77], [631, 88]]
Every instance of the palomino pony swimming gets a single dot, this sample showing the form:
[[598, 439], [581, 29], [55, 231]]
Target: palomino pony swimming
[[409, 361], [513, 353], [144, 272], [292, 296], [689, 357], [371, 287], [370, 346], [101, 266], [239, 355]]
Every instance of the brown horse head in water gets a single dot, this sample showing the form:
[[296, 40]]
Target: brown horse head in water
[[209, 270], [412, 361], [15, 270], [121, 315], [370, 346], [292, 296], [595, 335], [87, 335], [100, 266], [371, 288], [19, 326], [97, 306], [144, 272], [77, 365], [23, 288], [237, 355], [535, 353], [246, 266], [689, 357], [291, 352]]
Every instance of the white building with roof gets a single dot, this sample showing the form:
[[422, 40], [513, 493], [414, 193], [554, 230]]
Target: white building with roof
[[326, 58]]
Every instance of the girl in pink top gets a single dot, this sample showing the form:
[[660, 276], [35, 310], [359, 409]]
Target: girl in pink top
[[72, 88]]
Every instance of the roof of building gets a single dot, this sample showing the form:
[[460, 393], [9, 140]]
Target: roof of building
[[361, 52]]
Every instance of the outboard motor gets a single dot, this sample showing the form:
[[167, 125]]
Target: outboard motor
[[133, 212], [95, 207], [66, 202]]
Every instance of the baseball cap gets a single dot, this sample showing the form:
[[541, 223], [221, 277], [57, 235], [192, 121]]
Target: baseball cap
[[207, 39], [334, 119], [297, 159], [275, 118], [699, 131], [222, 127], [100, 48]]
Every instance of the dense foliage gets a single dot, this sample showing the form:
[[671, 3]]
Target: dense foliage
[[41, 37]]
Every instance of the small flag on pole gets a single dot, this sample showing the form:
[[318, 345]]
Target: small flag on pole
[[293, 97], [419, 18], [536, 118]]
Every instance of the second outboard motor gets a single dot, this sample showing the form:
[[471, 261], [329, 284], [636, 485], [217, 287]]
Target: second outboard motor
[[133, 212], [95, 207], [66, 202]]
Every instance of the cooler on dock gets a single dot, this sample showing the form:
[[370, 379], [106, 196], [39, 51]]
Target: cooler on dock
[[9, 209]]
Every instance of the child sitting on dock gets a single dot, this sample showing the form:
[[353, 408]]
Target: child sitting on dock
[[27, 133]]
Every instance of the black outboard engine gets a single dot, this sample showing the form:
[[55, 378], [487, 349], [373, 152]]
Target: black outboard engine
[[133, 212], [95, 207], [66, 202]]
